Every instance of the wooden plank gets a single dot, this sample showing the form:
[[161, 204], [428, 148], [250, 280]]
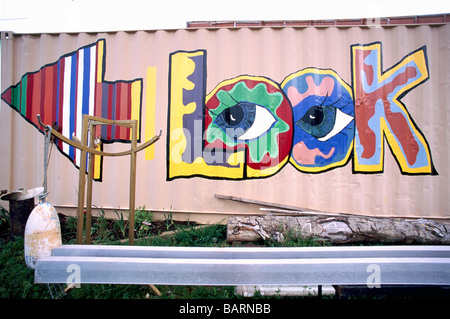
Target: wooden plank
[[155, 290], [262, 203], [278, 211], [281, 209]]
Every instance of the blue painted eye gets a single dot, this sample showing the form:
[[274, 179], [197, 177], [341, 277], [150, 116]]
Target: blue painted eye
[[318, 120], [324, 121], [245, 121]]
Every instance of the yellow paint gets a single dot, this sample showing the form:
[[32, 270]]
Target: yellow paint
[[181, 68], [150, 111], [100, 55], [236, 158], [97, 164]]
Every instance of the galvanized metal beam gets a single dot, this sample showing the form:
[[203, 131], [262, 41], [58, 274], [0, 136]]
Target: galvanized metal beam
[[400, 265], [251, 252]]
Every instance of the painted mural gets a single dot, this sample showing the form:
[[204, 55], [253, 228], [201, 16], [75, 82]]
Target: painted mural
[[251, 126], [241, 129], [379, 112], [248, 126], [63, 91], [323, 119]]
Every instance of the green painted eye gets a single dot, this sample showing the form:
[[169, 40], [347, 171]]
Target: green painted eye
[[249, 114], [245, 121], [237, 118]]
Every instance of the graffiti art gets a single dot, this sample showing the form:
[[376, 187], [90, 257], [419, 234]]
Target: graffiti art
[[251, 126], [248, 126], [62, 92], [323, 112], [251, 116], [380, 113]]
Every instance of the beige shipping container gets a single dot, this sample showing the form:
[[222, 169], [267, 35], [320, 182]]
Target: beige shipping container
[[350, 119]]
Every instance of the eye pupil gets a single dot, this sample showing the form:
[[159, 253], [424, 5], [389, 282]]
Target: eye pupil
[[314, 116], [233, 115], [245, 120], [239, 117], [318, 120]]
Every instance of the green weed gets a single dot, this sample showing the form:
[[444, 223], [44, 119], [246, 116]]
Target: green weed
[[168, 220], [143, 222], [121, 224], [208, 235]]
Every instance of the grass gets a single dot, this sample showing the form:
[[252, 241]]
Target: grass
[[210, 235], [17, 281]]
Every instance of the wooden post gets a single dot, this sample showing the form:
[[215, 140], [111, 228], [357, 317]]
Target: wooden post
[[81, 181], [88, 124], [132, 183], [89, 184]]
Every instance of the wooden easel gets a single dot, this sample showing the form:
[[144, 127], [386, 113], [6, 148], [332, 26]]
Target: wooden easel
[[88, 126]]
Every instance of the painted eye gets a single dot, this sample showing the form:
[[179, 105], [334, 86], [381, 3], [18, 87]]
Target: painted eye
[[262, 123], [324, 122], [239, 116], [245, 121]]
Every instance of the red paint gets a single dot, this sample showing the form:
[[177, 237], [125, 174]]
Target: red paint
[[365, 109]]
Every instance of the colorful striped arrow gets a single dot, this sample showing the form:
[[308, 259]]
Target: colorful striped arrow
[[74, 85]]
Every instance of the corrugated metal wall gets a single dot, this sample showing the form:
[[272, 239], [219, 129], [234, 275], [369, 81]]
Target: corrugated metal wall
[[272, 53]]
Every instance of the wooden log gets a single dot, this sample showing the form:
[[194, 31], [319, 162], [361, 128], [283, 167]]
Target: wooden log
[[340, 229]]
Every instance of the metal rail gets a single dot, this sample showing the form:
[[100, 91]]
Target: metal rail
[[396, 265]]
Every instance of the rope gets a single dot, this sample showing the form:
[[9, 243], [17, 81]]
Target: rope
[[47, 136]]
